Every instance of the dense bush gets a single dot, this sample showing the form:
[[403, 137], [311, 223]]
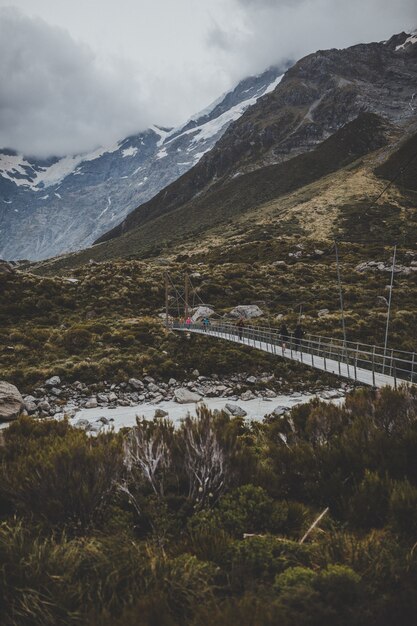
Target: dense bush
[[119, 529]]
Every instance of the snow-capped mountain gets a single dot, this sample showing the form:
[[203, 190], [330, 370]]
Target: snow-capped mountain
[[52, 206]]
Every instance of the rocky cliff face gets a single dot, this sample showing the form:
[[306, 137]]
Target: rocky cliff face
[[316, 97], [52, 206]]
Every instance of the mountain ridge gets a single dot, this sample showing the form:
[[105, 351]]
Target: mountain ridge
[[56, 205], [316, 96]]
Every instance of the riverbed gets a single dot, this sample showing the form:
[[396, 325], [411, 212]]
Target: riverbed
[[255, 409]]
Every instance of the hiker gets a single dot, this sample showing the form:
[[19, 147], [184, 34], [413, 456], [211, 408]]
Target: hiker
[[206, 323], [240, 325], [284, 336], [298, 335], [188, 322]]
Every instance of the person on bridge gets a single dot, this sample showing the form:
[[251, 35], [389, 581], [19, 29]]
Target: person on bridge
[[206, 324], [298, 335], [188, 322], [284, 335], [240, 325]]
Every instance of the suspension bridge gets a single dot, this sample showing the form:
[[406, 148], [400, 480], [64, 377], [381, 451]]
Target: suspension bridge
[[373, 365], [358, 362]]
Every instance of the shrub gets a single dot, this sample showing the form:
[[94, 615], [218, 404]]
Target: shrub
[[66, 483], [403, 508], [77, 339]]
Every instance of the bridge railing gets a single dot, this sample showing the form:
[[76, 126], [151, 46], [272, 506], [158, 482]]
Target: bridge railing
[[349, 356]]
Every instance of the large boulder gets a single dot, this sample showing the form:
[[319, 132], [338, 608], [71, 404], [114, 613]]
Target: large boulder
[[201, 312], [11, 402], [235, 410], [246, 311], [185, 396]]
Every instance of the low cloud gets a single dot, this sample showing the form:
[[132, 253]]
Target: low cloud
[[273, 31], [56, 98]]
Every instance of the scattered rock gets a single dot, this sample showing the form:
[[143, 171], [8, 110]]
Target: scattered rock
[[247, 395], [235, 410], [91, 403], [54, 381], [136, 384], [185, 396], [280, 410], [30, 404], [11, 402], [44, 406], [323, 312], [252, 380], [160, 413]]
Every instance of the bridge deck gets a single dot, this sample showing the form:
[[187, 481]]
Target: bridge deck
[[346, 367]]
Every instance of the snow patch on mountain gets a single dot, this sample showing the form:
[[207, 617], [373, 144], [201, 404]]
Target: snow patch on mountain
[[410, 41], [129, 152], [83, 196], [22, 173]]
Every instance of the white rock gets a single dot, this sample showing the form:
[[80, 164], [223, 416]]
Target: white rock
[[54, 381], [247, 311], [323, 312], [136, 384], [91, 403], [11, 402], [247, 395], [201, 312], [185, 396]]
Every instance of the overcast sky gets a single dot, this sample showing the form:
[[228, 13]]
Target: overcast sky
[[77, 74]]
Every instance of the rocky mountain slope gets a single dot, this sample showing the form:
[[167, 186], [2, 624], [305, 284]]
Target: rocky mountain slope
[[316, 97], [56, 205]]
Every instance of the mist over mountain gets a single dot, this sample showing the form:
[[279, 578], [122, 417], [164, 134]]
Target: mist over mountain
[[57, 205]]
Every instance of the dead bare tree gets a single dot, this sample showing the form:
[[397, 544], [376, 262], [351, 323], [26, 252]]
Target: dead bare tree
[[147, 457], [206, 460]]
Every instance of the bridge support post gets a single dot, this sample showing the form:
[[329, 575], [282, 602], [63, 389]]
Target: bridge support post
[[373, 366], [186, 290], [166, 300], [355, 366]]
